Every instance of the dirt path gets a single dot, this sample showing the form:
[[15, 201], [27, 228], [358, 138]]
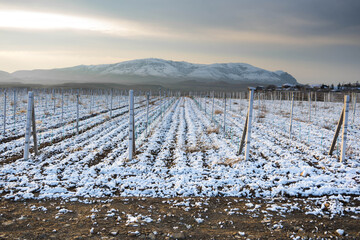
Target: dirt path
[[174, 218]]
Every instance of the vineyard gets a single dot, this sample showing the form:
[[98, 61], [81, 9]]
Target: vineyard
[[185, 146], [169, 165]]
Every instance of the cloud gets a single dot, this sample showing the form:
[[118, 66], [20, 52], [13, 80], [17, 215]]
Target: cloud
[[281, 34], [44, 21]]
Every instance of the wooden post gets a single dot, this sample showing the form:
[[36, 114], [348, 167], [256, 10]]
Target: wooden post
[[77, 112], [341, 120], [147, 112], [291, 114], [28, 125], [333, 144], [4, 112], [242, 142], [131, 125], [248, 130], [345, 123]]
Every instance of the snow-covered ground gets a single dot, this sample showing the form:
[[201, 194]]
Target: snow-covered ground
[[184, 154]]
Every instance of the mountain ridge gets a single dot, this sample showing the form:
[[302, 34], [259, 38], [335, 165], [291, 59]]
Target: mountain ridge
[[156, 71]]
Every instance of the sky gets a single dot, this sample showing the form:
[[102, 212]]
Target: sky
[[316, 41]]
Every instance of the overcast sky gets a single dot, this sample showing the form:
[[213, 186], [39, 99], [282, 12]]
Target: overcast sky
[[317, 41]]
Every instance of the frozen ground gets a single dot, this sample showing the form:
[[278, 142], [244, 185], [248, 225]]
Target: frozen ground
[[186, 155]]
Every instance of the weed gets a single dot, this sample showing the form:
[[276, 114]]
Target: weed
[[210, 130]]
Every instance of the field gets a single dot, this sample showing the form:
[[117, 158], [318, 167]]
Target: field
[[186, 153]]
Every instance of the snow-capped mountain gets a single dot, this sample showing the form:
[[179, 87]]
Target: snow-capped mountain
[[5, 75], [152, 70]]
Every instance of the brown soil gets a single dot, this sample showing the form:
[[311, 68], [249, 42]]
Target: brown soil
[[172, 218]]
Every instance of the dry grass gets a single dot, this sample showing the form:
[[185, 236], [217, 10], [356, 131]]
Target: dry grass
[[218, 112], [76, 149], [350, 150], [192, 149], [210, 130], [285, 114], [263, 112], [199, 147], [260, 118], [327, 126], [215, 147], [22, 111], [261, 115], [230, 161], [47, 114], [300, 120]]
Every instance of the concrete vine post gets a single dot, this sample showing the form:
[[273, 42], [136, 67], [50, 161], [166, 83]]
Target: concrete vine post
[[205, 102], [309, 107], [54, 100], [224, 127], [212, 110], [14, 110], [4, 112], [62, 107], [91, 100], [354, 106], [131, 125], [230, 102], [315, 109], [345, 126], [291, 114], [111, 102], [147, 112], [248, 133], [28, 125], [343, 121], [34, 125], [46, 101], [160, 103], [77, 112]]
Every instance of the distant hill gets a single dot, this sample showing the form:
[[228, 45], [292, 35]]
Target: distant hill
[[152, 71]]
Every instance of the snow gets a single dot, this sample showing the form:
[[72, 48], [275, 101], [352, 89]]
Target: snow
[[199, 220], [340, 232], [180, 159]]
